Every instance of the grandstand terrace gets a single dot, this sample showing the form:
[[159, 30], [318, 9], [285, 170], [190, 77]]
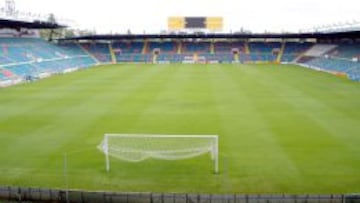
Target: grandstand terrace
[[293, 50], [100, 51], [166, 47], [228, 46], [31, 57], [250, 48]]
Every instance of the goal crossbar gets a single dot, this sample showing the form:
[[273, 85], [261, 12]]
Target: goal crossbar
[[138, 147], [159, 136]]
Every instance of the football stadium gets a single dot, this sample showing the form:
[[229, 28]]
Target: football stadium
[[193, 114]]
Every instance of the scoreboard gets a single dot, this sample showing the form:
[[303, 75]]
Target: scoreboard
[[209, 23], [176, 23], [195, 23]]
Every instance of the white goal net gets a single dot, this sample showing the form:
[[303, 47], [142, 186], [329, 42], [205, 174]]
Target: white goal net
[[138, 147]]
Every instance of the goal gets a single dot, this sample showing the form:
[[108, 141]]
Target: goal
[[138, 147]]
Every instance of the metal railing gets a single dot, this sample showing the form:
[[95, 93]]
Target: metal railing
[[21, 194]]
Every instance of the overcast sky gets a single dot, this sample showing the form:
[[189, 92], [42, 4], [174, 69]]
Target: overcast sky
[[151, 15]]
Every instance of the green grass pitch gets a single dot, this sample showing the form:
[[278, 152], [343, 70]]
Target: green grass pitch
[[282, 129]]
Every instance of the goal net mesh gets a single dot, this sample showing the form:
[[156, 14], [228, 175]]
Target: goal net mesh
[[137, 148]]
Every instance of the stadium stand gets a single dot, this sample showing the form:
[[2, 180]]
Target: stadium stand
[[22, 70], [264, 51], [5, 74], [99, 50], [347, 50], [227, 46], [174, 58], [137, 58], [219, 57], [294, 49], [196, 47], [336, 66], [34, 57], [320, 49], [168, 47], [129, 51], [338, 59], [128, 47], [74, 49]]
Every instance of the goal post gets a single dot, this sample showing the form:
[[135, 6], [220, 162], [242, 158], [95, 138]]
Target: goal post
[[139, 147]]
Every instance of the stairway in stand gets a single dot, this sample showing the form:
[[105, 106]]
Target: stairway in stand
[[154, 58], [236, 57], [145, 48], [87, 52], [179, 50], [112, 53], [247, 49], [281, 52], [212, 48]]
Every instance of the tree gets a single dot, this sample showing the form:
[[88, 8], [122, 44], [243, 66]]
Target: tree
[[51, 18]]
